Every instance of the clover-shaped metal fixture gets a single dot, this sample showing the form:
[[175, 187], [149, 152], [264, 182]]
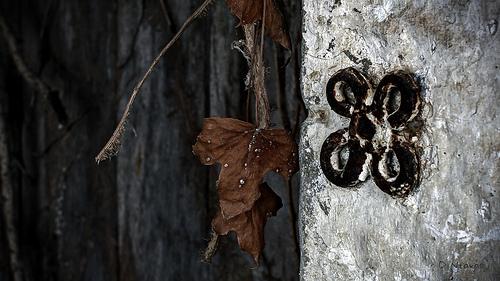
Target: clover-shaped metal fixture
[[381, 139]]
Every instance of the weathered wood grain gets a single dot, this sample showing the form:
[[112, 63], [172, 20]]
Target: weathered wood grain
[[144, 215]]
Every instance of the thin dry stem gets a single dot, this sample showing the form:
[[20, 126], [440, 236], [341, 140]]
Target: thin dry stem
[[113, 145], [257, 72]]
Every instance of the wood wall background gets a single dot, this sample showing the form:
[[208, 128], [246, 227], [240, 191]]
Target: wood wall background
[[144, 215]]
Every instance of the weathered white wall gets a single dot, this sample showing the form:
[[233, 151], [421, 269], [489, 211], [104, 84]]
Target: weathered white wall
[[452, 222]]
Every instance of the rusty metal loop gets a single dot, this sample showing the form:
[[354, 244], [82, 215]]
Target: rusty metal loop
[[407, 176], [375, 130], [410, 102], [349, 174], [337, 88]]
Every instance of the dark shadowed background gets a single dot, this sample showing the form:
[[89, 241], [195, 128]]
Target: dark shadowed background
[[144, 215]]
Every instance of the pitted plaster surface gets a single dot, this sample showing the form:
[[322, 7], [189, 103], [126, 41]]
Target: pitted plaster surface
[[449, 229]]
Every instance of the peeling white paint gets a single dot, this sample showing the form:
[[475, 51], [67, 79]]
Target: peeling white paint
[[362, 234]]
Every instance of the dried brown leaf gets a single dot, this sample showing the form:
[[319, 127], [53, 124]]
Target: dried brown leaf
[[246, 154], [249, 226], [250, 11]]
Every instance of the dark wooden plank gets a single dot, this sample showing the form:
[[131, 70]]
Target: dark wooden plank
[[144, 215]]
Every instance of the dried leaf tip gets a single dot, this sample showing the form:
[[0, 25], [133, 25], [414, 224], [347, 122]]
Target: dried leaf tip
[[249, 226]]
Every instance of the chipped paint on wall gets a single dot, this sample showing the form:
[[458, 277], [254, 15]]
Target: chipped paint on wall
[[450, 226]]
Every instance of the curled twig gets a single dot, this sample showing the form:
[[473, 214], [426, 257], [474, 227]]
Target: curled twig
[[112, 146]]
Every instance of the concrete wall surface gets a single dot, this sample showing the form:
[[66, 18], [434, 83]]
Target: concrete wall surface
[[449, 227]]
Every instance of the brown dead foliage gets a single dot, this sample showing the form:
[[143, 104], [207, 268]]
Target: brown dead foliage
[[245, 154], [249, 226]]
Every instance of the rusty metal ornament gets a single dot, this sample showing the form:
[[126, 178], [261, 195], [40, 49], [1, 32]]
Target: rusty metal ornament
[[376, 141]]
